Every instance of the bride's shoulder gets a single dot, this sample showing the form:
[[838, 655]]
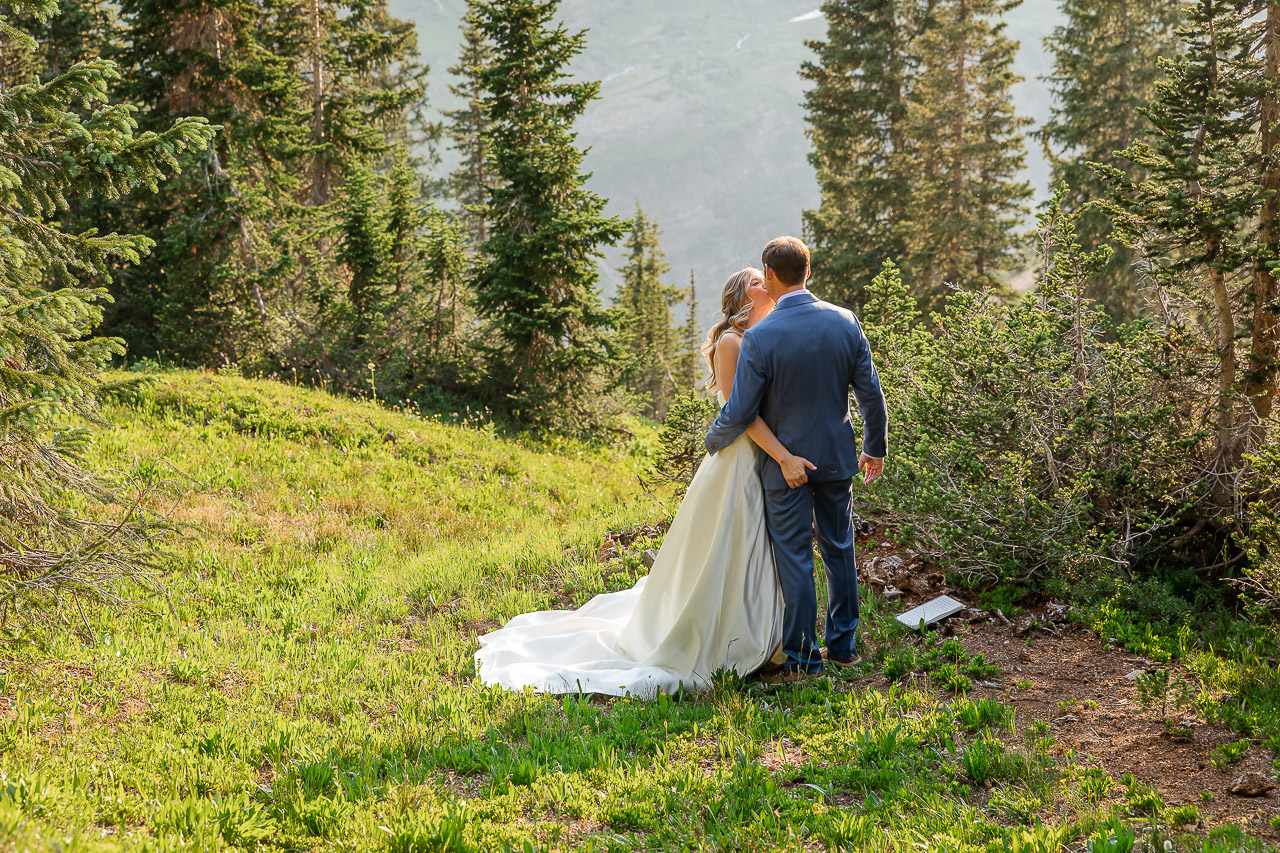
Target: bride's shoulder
[[729, 342]]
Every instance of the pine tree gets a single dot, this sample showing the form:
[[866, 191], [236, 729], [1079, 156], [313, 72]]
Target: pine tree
[[471, 180], [538, 287], [857, 110], [646, 303], [1205, 214], [1106, 63], [62, 138], [960, 226]]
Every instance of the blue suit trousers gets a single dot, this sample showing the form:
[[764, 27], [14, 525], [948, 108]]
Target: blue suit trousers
[[792, 516]]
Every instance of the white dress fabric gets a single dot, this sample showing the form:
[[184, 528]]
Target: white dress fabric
[[710, 602]]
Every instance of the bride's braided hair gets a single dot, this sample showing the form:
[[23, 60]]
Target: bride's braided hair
[[735, 307]]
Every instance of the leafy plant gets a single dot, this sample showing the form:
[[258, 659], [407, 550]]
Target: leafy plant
[[983, 759], [1229, 753], [1141, 799]]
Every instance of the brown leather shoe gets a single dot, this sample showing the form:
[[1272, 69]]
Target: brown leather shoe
[[841, 663], [789, 676]]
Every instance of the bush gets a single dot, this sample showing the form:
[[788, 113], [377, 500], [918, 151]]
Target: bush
[[1035, 443]]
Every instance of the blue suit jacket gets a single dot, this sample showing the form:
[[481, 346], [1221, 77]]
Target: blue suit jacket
[[795, 369]]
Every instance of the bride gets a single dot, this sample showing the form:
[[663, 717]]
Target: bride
[[711, 600]]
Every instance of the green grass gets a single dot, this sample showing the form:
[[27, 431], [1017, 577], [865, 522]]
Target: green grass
[[305, 680]]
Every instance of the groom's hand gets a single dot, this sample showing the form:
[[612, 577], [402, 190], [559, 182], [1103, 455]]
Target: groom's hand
[[871, 468], [795, 470]]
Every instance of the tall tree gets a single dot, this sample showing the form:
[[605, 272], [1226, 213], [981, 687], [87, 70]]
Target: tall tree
[[538, 287], [470, 181], [61, 137], [78, 30], [646, 302], [966, 204], [1106, 62], [308, 91], [1206, 216], [856, 110], [691, 370]]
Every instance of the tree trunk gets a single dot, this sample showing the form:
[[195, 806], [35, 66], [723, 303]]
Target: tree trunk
[[957, 141], [1260, 380], [319, 171]]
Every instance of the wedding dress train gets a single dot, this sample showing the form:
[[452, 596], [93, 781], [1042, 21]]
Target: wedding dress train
[[711, 601]]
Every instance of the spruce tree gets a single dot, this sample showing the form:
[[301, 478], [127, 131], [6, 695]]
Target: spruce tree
[[691, 362], [646, 303], [538, 288], [1205, 214], [77, 31], [856, 110], [965, 206], [308, 91], [1106, 64], [62, 138], [470, 181]]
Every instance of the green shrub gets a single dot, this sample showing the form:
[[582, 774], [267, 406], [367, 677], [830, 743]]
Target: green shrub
[[1037, 444]]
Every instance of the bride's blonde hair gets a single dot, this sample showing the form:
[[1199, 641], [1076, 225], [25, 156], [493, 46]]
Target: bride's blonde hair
[[735, 308]]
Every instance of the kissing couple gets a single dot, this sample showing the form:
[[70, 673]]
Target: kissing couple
[[732, 586]]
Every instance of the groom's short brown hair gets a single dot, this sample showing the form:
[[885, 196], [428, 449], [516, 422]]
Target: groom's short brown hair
[[788, 257]]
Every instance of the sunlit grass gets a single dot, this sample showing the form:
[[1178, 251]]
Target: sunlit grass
[[304, 679]]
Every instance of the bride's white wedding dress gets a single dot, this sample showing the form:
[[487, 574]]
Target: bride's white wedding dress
[[710, 602]]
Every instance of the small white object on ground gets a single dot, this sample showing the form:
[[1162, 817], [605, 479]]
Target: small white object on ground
[[1133, 676], [931, 611]]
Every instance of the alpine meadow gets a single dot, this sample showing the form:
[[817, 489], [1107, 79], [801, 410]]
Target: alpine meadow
[[321, 362]]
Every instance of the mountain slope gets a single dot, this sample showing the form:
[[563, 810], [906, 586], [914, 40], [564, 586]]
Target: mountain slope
[[700, 115]]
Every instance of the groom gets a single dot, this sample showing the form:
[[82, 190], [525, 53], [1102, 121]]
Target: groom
[[795, 370]]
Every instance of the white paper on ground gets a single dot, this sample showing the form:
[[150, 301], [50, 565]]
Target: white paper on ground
[[931, 611]]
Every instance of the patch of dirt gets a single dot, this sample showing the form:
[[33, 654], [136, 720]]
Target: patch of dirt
[[1104, 723], [779, 754], [1117, 735]]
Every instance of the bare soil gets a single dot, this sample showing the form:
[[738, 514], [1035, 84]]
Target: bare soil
[[1045, 661]]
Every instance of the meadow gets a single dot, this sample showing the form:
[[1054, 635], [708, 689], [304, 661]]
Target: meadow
[[300, 676]]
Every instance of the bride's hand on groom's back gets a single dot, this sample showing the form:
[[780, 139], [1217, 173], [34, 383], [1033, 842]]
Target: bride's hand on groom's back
[[795, 470]]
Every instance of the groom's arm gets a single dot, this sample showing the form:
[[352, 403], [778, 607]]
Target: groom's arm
[[865, 383], [743, 405]]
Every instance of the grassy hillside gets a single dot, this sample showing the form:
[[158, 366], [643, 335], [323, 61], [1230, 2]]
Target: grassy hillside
[[700, 115], [305, 682]]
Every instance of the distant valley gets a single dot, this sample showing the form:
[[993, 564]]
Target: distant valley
[[700, 116]]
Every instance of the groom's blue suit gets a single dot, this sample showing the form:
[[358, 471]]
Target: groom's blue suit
[[795, 370]]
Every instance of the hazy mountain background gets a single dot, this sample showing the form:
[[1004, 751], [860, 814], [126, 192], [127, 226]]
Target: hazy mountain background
[[700, 116]]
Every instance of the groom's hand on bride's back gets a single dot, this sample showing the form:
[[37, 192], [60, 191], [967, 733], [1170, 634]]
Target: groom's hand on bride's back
[[871, 468], [795, 470]]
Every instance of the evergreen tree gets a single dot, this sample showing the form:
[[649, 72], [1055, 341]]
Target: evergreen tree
[[857, 110], [1205, 215], [1106, 63], [538, 287], [367, 251], [915, 144], [308, 91], [646, 303], [77, 31], [471, 180], [691, 373], [61, 138], [966, 203]]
